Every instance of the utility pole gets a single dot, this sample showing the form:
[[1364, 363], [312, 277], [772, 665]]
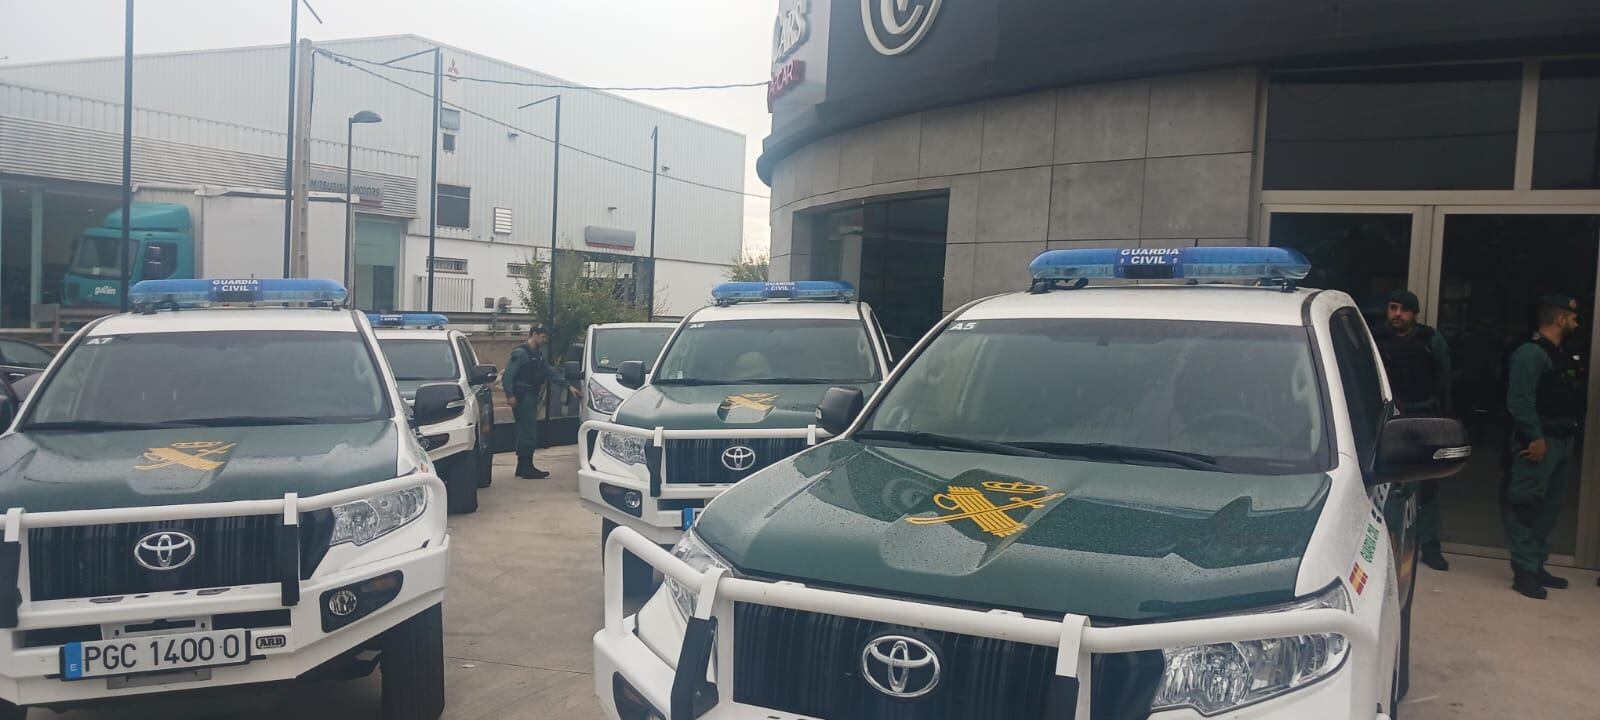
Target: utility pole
[[655, 173], [555, 209], [302, 162], [288, 152], [127, 150], [433, 174]]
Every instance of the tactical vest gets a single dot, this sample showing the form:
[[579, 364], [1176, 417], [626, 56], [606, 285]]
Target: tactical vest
[[531, 374], [1560, 393], [1409, 363]]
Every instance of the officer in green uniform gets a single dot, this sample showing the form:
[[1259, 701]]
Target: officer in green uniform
[[1545, 399], [1417, 361], [523, 381]]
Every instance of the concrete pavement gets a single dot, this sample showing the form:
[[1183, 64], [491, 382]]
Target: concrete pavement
[[525, 599]]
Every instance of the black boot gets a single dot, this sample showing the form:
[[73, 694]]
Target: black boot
[[1527, 583], [524, 463], [535, 473], [1432, 557], [1551, 581]]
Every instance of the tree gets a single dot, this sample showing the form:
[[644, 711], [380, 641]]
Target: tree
[[749, 267], [587, 293]]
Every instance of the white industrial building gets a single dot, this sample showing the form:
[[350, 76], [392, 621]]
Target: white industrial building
[[209, 133]]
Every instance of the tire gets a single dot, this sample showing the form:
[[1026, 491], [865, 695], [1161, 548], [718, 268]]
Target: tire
[[638, 578], [483, 464], [461, 488], [412, 660]]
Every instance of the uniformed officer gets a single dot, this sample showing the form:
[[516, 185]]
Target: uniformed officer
[[1417, 360], [1545, 399], [523, 381]]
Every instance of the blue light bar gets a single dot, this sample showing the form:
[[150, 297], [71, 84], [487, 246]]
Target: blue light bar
[[411, 320], [798, 290], [1190, 263], [248, 291]]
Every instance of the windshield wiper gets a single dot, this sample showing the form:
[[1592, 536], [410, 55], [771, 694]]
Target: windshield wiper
[[694, 381], [251, 420], [948, 442], [94, 425], [788, 381], [1130, 453]]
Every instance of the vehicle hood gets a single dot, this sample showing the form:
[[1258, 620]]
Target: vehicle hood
[[686, 407], [1114, 542], [50, 471]]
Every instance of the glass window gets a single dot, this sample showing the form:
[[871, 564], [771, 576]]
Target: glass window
[[1178, 386], [1566, 151], [619, 345], [894, 252], [23, 354], [450, 119], [215, 377], [419, 359], [1423, 128], [1366, 255], [468, 355], [730, 352], [1358, 373], [97, 256], [455, 206]]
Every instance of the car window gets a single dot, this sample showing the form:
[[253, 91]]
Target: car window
[[468, 356], [1358, 371], [615, 346], [419, 359], [179, 376], [1245, 395], [24, 354], [734, 351]]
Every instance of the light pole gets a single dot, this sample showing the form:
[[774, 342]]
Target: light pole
[[127, 154], [433, 163], [555, 208], [655, 174], [363, 117]]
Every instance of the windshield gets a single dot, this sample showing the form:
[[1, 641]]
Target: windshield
[[747, 351], [619, 345], [97, 256], [420, 359], [180, 377], [1242, 397]]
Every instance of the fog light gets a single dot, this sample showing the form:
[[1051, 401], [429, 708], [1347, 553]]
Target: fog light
[[434, 442], [343, 603], [621, 498], [630, 703], [632, 500]]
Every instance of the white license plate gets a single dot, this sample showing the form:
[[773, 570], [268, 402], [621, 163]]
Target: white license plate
[[154, 653], [689, 516]]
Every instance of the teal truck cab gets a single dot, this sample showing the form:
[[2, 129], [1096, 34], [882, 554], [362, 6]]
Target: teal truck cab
[[160, 245]]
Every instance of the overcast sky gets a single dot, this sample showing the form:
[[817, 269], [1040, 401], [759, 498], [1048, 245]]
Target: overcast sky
[[594, 42]]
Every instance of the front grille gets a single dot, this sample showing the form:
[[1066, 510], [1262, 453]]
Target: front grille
[[98, 560], [700, 461], [810, 664]]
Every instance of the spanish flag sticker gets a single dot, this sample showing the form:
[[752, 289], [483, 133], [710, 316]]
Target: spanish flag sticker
[[1358, 579]]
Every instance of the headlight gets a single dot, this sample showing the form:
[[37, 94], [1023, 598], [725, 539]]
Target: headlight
[[627, 448], [1215, 678], [601, 399], [694, 552], [363, 521]]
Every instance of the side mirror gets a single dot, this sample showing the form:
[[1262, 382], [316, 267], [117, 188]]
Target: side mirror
[[1411, 449], [483, 375], [8, 411], [631, 374], [573, 370], [437, 403], [839, 408], [155, 264]]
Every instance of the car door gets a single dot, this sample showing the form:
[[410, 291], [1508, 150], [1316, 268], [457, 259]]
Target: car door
[[482, 392]]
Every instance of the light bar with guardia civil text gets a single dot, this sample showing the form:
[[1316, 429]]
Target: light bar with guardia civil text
[[244, 291], [408, 320], [1190, 263], [797, 290]]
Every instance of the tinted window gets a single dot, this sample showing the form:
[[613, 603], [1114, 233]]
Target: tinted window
[[97, 256], [419, 359], [1433, 128], [455, 206], [24, 354], [175, 377], [1245, 395], [1566, 152], [468, 355], [619, 345], [1358, 373], [1364, 254], [734, 351]]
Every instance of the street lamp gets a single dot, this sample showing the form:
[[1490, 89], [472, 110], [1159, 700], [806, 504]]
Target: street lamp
[[363, 117], [555, 207]]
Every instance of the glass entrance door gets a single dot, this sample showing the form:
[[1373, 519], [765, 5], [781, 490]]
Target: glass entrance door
[[1366, 252], [1489, 267]]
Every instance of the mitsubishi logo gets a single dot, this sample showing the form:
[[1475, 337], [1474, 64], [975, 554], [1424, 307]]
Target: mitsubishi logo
[[900, 666], [164, 550], [894, 27], [738, 458]]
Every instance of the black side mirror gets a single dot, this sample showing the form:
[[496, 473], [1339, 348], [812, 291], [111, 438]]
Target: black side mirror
[[1411, 449], [155, 265], [483, 375], [573, 370], [8, 411], [839, 408], [631, 374], [437, 403]]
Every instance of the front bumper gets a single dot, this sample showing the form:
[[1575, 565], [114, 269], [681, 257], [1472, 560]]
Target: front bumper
[[30, 675], [459, 438], [675, 686]]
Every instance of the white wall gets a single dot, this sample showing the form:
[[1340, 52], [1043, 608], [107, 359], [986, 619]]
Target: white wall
[[683, 287]]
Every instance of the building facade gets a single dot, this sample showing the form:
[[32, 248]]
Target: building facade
[[1452, 148], [211, 123]]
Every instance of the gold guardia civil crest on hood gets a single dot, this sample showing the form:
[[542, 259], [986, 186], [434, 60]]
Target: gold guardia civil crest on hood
[[201, 455], [970, 503], [747, 407]]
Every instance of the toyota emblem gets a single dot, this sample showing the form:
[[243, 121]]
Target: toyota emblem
[[164, 550], [738, 458], [900, 666]]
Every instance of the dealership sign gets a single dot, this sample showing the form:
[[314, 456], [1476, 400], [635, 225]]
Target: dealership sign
[[367, 188], [895, 27], [799, 54]]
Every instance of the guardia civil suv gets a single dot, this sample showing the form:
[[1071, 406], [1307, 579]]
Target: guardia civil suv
[[222, 488], [1147, 501], [735, 390]]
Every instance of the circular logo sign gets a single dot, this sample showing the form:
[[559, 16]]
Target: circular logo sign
[[164, 550], [894, 27], [900, 666], [738, 458]]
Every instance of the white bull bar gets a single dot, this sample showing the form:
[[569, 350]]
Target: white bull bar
[[1073, 636], [656, 438]]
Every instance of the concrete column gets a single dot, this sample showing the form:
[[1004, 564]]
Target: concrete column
[[36, 251]]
